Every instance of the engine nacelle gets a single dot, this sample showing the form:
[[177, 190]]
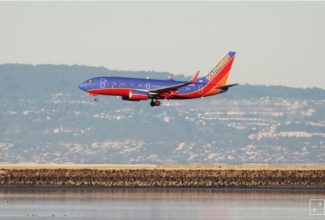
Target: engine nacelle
[[138, 95]]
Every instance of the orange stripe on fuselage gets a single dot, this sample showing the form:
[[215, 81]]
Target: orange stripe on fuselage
[[222, 82], [126, 91]]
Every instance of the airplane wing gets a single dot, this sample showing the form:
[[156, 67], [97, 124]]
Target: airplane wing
[[174, 87]]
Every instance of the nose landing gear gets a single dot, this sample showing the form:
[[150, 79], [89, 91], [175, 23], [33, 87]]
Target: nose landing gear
[[96, 99], [155, 103]]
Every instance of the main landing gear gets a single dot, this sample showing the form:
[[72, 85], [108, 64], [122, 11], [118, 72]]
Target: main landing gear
[[155, 103]]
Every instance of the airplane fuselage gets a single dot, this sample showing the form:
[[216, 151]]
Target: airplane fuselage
[[122, 86]]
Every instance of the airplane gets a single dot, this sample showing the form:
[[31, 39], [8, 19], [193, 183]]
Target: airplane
[[138, 89]]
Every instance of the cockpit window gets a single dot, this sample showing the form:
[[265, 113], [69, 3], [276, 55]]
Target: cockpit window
[[90, 81]]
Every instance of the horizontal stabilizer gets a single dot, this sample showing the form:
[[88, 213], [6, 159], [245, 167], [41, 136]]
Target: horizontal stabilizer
[[226, 86]]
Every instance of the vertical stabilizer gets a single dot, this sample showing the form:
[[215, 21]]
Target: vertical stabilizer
[[218, 76]]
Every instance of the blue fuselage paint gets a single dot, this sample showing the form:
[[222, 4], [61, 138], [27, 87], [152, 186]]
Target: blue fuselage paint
[[138, 84]]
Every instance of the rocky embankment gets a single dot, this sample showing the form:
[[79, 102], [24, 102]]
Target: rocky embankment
[[211, 178]]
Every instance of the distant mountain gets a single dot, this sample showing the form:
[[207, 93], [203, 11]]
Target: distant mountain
[[58, 78], [44, 117]]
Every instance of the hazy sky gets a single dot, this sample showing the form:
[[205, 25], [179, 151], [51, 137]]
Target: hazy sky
[[277, 43]]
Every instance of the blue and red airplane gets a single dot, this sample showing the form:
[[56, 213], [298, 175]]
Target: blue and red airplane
[[137, 89]]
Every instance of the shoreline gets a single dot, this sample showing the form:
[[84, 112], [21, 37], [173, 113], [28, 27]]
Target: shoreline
[[153, 189], [165, 167]]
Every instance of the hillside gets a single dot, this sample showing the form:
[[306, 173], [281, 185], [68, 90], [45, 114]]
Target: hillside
[[45, 118]]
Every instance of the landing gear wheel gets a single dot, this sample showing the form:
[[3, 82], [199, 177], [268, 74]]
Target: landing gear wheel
[[157, 103], [96, 99]]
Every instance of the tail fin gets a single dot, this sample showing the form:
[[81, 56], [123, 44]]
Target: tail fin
[[218, 76]]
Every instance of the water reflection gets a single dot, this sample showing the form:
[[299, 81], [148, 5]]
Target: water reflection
[[156, 204]]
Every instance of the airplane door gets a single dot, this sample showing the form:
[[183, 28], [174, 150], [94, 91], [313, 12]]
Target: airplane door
[[201, 90], [102, 83], [147, 86]]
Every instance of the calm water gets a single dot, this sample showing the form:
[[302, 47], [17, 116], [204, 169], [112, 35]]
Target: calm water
[[157, 204]]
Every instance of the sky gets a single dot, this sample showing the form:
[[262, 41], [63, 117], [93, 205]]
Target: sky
[[277, 43]]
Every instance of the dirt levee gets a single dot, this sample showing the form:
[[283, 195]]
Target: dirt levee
[[214, 176]]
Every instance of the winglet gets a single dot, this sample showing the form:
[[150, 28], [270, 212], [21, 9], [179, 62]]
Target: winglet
[[194, 78]]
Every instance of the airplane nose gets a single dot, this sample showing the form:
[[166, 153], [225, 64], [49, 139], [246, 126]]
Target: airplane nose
[[82, 86]]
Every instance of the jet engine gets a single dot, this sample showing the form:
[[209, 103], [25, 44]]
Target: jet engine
[[137, 95]]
